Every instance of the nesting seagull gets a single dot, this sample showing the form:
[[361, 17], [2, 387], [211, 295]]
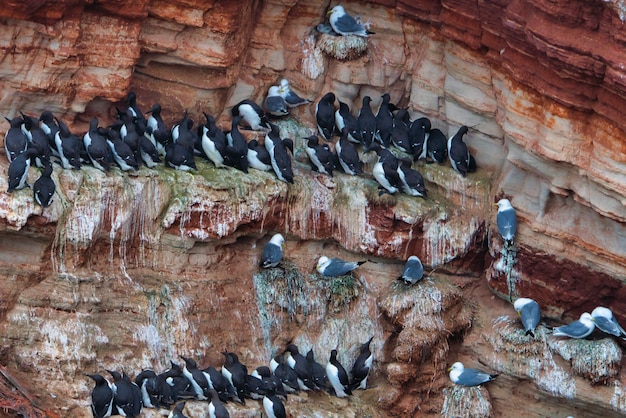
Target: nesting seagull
[[291, 98], [334, 267], [275, 104], [604, 319], [469, 377], [528, 311], [273, 251], [413, 270], [577, 329], [344, 24], [506, 220]]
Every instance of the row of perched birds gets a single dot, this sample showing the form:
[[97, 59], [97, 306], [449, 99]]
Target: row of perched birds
[[529, 311], [133, 141], [288, 373], [530, 315]]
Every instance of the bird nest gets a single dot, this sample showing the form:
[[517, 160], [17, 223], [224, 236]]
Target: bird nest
[[462, 401], [343, 48]]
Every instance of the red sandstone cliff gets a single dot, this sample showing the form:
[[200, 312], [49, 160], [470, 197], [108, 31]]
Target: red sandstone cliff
[[542, 84]]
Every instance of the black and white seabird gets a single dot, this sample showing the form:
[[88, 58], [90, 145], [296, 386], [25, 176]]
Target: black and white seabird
[[577, 329], [96, 146], [133, 107], [419, 132], [436, 146], [156, 130], [458, 153], [50, 128], [258, 157], [506, 219], [127, 397], [177, 412], [68, 146], [15, 141], [251, 113], [237, 148], [275, 104], [321, 157], [413, 271], [216, 407], [606, 322], [18, 170], [385, 171], [236, 374], [213, 141], [37, 139], [280, 158], [147, 381], [348, 155], [463, 376], [300, 365], [148, 152], [362, 366], [255, 388], [528, 310], [180, 386], [271, 382], [285, 374], [101, 397], [344, 24], [44, 187], [412, 180], [318, 372], [289, 95], [182, 132], [325, 116], [400, 131], [343, 118], [121, 152], [273, 406], [337, 376], [225, 390], [384, 122], [198, 380], [367, 123], [273, 252], [333, 267]]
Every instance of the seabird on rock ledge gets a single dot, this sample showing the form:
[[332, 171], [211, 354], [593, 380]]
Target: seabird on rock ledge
[[604, 319], [344, 24], [273, 252], [469, 377], [334, 267], [577, 329], [528, 311], [413, 271], [506, 220], [291, 98]]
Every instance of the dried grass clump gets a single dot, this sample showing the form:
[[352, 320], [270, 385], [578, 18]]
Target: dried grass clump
[[343, 48], [597, 361], [466, 402]]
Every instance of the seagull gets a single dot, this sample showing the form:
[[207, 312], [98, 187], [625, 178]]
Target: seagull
[[290, 97], [604, 319], [528, 311], [334, 267], [468, 377], [577, 329], [344, 24], [413, 271], [506, 220], [273, 252], [275, 104]]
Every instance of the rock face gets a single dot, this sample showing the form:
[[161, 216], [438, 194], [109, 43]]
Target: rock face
[[134, 270]]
